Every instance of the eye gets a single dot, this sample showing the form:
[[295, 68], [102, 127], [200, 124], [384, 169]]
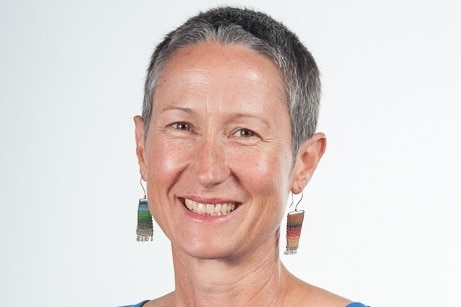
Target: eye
[[181, 126], [244, 133]]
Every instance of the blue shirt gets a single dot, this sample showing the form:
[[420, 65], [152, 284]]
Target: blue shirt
[[350, 305]]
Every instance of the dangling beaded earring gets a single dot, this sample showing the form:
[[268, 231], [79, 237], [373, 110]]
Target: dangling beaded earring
[[294, 224], [145, 228]]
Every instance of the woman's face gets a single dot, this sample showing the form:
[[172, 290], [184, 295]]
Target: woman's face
[[217, 158]]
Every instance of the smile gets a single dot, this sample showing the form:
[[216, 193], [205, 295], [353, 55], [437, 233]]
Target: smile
[[209, 209]]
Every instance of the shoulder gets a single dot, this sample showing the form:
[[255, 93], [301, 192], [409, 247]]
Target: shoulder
[[136, 305], [163, 301], [314, 296], [302, 294]]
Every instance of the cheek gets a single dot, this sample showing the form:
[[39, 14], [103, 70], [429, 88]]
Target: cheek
[[165, 162], [267, 172]]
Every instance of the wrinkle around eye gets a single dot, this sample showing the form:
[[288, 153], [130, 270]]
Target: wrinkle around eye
[[245, 136], [176, 130]]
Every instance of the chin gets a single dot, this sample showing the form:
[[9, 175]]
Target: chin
[[202, 250]]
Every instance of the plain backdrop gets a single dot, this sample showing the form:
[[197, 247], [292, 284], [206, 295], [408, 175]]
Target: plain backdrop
[[383, 209]]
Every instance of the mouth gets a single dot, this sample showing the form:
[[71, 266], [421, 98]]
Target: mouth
[[209, 209]]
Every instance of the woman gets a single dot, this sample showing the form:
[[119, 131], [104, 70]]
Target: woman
[[227, 132]]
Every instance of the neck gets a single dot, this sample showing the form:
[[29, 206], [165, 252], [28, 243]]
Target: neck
[[257, 279]]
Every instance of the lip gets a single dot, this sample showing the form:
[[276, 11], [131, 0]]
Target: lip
[[211, 201]]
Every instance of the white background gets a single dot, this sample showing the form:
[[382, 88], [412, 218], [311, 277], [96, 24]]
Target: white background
[[384, 211]]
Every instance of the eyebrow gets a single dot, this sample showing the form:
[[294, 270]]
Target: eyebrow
[[249, 115], [233, 116], [176, 108]]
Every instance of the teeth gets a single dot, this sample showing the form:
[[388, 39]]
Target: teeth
[[209, 209], [201, 208]]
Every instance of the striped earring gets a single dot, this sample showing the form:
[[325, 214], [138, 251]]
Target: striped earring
[[145, 228], [294, 225]]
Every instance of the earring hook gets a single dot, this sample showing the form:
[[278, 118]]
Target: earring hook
[[142, 186], [297, 203], [302, 195]]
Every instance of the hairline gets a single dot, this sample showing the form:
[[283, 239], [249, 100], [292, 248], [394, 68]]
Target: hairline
[[299, 72], [160, 68]]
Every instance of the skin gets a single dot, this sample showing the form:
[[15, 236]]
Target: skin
[[220, 133]]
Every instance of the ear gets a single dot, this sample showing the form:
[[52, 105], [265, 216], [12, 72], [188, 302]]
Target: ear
[[307, 159], [140, 146]]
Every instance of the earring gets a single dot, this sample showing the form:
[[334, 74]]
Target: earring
[[145, 228], [294, 224]]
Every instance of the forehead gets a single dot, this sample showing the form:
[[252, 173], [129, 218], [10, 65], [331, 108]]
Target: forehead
[[233, 62], [222, 83], [222, 80]]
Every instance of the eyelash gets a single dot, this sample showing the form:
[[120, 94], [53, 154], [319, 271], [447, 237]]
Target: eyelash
[[250, 133], [181, 126], [243, 133]]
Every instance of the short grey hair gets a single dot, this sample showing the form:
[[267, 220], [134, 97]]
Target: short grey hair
[[259, 32]]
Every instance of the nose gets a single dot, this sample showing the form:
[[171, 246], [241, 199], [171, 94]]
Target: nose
[[210, 163]]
